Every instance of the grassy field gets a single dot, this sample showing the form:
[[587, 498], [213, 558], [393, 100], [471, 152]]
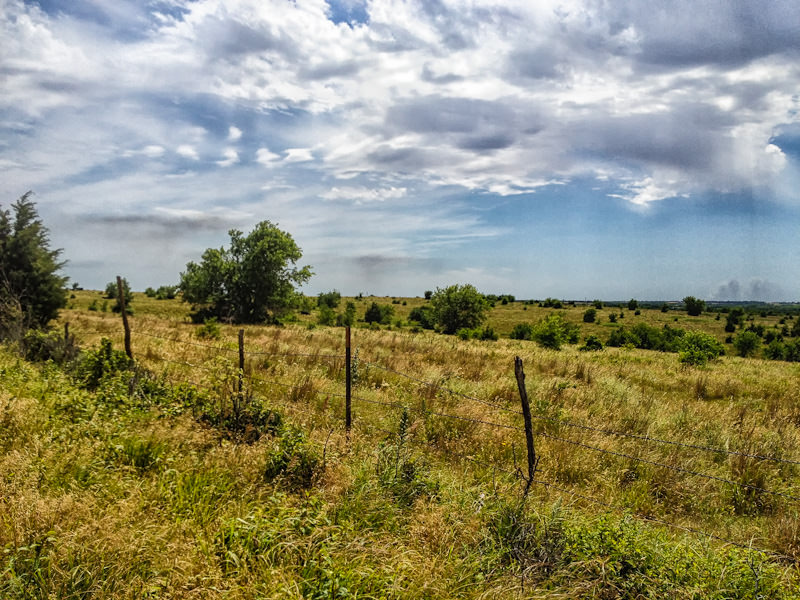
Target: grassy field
[[147, 483]]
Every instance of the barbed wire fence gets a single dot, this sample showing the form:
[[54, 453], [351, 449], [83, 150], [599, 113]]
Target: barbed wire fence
[[246, 378]]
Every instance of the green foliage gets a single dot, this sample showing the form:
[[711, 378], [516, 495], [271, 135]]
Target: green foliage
[[250, 282], [552, 303], [457, 307], [554, 331], [112, 293], [166, 292], [428, 294], [612, 317], [589, 315], [647, 337], [209, 330], [95, 366], [746, 343], [522, 331], [330, 299], [41, 346], [150, 292], [348, 317], [379, 313], [326, 315], [633, 304], [591, 344], [31, 291], [697, 348], [292, 460], [597, 304], [424, 316], [694, 306]]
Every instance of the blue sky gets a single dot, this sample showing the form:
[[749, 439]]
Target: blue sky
[[575, 149]]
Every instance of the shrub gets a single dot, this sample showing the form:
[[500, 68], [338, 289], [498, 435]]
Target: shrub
[[552, 303], [612, 318], [746, 343], [633, 304], [697, 348], [348, 317], [96, 365], [597, 304], [112, 293], [166, 292], [209, 330], [428, 294], [326, 316], [554, 331], [41, 346], [330, 299], [292, 460], [522, 331], [589, 315], [379, 313], [591, 344], [489, 334], [424, 316]]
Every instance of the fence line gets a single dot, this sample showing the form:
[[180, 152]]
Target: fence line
[[549, 485]]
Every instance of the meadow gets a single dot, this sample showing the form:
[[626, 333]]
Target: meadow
[[160, 480]]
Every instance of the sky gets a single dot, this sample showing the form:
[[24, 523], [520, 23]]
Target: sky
[[576, 149]]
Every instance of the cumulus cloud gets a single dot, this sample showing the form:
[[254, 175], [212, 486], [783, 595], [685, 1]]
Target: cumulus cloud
[[234, 133], [187, 151], [362, 194], [231, 157]]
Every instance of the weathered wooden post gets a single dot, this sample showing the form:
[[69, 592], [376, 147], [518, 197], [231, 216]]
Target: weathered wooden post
[[348, 383], [123, 310], [526, 415]]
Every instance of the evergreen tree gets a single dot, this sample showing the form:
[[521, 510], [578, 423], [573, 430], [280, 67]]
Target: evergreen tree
[[31, 290]]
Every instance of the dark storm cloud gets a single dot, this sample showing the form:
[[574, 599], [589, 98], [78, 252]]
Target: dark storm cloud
[[538, 63], [723, 32], [229, 39], [160, 223], [689, 137]]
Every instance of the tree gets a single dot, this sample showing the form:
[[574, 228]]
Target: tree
[[554, 331], [589, 315], [112, 293], [379, 313], [746, 343], [458, 307], [31, 290], [697, 348], [694, 306], [250, 282], [633, 304], [330, 299]]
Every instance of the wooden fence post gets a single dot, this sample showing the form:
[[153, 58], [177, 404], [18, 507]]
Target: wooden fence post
[[348, 383], [240, 394], [121, 296], [526, 415]]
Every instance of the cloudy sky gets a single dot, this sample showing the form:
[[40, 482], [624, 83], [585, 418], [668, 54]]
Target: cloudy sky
[[576, 149]]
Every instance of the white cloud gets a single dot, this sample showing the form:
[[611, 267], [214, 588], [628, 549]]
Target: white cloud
[[363, 194], [231, 157], [267, 158], [234, 133], [187, 151], [298, 155]]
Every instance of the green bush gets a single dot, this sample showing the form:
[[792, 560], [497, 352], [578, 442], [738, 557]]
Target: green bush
[[330, 299], [554, 331], [424, 316], [522, 331], [326, 316], [457, 307], [292, 460], [97, 365], [209, 330], [697, 348], [379, 313], [746, 343], [591, 344], [589, 315]]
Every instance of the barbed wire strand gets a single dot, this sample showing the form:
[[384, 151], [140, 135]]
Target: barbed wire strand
[[443, 388], [644, 438], [671, 467]]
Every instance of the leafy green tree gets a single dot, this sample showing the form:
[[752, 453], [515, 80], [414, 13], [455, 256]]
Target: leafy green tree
[[458, 307], [694, 306], [522, 331], [250, 282], [428, 294], [348, 317], [424, 316], [746, 343], [112, 293], [31, 290], [330, 299], [589, 315], [633, 304], [379, 313]]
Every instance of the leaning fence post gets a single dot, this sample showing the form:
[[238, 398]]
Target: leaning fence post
[[526, 415], [123, 310], [348, 383]]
